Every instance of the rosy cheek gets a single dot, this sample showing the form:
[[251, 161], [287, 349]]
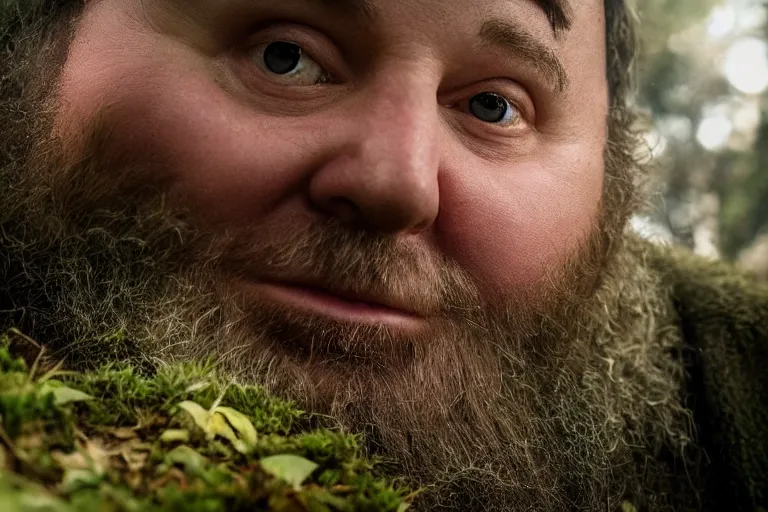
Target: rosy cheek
[[169, 112], [220, 159], [507, 228], [223, 160]]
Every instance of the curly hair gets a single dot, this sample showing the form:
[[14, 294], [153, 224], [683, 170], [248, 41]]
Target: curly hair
[[621, 50]]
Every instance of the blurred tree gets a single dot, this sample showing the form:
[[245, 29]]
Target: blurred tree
[[709, 140], [745, 192]]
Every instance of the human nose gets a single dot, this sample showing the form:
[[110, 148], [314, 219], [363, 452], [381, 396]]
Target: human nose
[[385, 174]]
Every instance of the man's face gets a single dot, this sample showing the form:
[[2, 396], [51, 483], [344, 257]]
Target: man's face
[[469, 129], [393, 212]]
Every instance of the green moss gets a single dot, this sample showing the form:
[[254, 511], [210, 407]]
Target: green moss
[[180, 440]]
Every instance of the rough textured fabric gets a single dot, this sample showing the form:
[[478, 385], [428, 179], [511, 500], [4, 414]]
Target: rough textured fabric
[[723, 316]]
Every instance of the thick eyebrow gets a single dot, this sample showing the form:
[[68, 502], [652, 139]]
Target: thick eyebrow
[[559, 13], [512, 38], [364, 10]]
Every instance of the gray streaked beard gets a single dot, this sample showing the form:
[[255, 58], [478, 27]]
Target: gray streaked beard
[[563, 397]]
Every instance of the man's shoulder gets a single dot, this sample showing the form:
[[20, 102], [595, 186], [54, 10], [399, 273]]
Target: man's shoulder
[[723, 318], [712, 293]]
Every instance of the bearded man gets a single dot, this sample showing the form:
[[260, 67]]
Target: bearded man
[[406, 215]]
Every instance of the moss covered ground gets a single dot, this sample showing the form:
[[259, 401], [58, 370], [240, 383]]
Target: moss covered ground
[[182, 439]]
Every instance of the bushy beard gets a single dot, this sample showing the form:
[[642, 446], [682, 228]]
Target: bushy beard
[[559, 397]]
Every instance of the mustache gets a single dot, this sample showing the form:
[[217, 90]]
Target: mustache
[[406, 274]]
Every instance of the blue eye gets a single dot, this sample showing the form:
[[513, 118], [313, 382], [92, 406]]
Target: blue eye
[[493, 108]]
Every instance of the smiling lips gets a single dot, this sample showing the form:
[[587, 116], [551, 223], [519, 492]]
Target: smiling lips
[[344, 306]]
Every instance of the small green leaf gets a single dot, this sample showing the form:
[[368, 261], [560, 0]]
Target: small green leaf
[[218, 426], [183, 455], [198, 413], [241, 424], [627, 507], [63, 395], [223, 422], [290, 468], [175, 435]]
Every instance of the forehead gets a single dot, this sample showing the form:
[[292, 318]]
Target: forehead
[[560, 16], [558, 12]]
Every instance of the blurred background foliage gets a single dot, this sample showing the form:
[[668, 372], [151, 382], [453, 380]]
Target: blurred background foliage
[[704, 85]]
